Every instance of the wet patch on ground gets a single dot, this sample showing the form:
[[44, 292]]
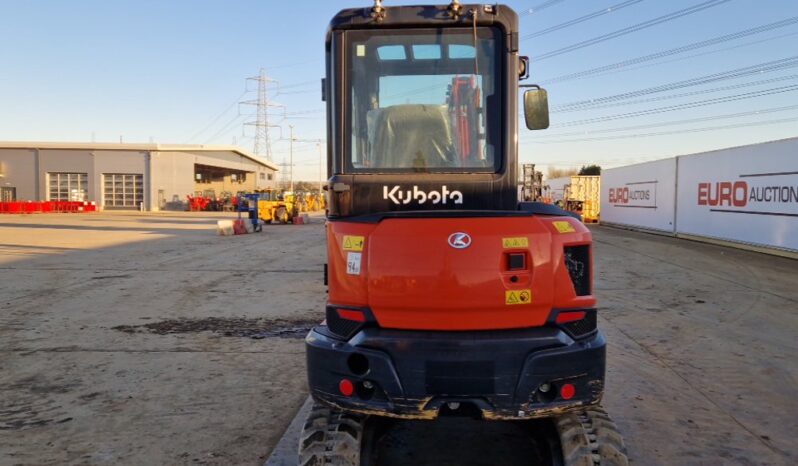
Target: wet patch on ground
[[228, 327]]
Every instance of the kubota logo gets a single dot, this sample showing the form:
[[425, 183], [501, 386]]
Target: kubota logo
[[400, 196], [459, 240]]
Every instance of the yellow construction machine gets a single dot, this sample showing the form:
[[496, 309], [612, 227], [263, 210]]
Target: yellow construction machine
[[277, 206]]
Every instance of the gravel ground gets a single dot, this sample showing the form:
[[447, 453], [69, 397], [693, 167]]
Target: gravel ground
[[147, 339]]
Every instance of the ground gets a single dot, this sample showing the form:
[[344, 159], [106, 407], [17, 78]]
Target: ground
[[73, 389], [147, 339]]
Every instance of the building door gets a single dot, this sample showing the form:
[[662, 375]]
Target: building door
[[8, 194], [123, 190], [68, 186]]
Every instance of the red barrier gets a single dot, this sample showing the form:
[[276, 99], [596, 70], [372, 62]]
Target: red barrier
[[31, 207]]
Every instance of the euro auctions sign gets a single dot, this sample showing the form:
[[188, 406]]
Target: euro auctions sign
[[635, 194], [753, 193], [747, 194], [641, 195]]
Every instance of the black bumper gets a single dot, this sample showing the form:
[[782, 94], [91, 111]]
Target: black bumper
[[415, 374]]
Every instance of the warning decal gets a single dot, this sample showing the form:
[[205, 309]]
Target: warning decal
[[517, 297], [564, 227], [353, 243], [520, 242]]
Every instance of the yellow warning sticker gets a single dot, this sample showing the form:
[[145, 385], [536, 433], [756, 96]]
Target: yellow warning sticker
[[517, 297], [354, 243], [564, 227], [512, 243]]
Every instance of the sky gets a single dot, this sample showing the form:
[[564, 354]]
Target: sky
[[174, 71]]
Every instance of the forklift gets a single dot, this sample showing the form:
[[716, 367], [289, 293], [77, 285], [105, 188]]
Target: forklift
[[446, 295]]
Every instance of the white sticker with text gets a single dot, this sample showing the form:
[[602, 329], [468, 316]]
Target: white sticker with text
[[353, 263]]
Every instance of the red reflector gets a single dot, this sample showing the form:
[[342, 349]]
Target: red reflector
[[346, 387], [565, 317], [349, 314], [567, 391]]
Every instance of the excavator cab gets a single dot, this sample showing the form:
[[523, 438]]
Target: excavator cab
[[446, 294]]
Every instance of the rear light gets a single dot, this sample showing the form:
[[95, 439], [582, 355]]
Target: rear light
[[576, 323], [567, 391], [346, 387], [577, 261], [565, 317], [351, 314], [346, 322]]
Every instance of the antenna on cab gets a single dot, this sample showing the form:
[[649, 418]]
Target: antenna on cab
[[377, 11], [455, 9]]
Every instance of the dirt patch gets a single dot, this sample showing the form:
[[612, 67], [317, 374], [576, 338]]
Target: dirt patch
[[228, 327]]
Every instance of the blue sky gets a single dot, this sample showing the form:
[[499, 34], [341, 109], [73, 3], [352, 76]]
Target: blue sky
[[170, 71]]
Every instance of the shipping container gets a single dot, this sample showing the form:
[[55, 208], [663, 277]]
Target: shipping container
[[583, 196]]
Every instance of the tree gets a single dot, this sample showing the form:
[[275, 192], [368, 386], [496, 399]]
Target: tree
[[306, 186], [590, 170], [554, 172]]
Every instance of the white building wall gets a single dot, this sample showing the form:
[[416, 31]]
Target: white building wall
[[171, 179], [745, 194], [18, 167], [642, 195]]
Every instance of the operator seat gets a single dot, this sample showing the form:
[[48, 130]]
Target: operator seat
[[415, 136]]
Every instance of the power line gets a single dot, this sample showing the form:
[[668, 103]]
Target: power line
[[224, 129], [582, 19], [673, 60], [699, 103], [669, 133], [757, 69], [300, 84], [538, 8], [672, 122], [677, 96], [673, 51], [304, 112], [209, 125], [635, 28]]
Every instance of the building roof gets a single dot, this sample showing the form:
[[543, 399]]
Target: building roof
[[152, 147]]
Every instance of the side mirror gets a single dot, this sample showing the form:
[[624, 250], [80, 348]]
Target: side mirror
[[536, 108]]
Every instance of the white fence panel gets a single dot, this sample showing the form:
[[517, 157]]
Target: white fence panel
[[641, 195], [745, 194]]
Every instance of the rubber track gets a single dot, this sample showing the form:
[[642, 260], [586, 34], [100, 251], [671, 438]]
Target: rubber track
[[331, 437], [590, 438]]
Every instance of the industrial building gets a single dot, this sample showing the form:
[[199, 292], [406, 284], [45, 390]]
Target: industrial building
[[127, 176]]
